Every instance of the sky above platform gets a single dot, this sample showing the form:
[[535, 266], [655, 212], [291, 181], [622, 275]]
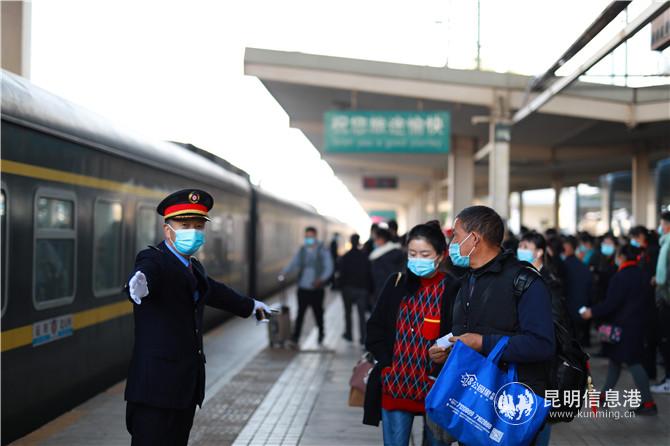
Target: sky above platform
[[174, 70]]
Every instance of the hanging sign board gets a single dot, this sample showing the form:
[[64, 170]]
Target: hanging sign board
[[360, 131]]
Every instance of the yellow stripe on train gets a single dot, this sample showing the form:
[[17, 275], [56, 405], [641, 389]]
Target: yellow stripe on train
[[22, 336], [44, 173]]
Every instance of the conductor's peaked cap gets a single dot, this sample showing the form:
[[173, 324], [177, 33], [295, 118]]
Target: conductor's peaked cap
[[186, 204]]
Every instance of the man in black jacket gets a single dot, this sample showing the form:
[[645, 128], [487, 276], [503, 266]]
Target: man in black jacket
[[486, 308], [354, 278], [169, 290]]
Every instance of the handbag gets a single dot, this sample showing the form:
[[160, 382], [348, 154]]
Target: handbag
[[478, 403], [610, 334], [359, 379]]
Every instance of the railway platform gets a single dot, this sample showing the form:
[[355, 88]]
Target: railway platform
[[261, 396]]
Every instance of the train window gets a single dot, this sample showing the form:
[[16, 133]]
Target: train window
[[107, 233], [3, 248], [55, 248], [147, 228], [53, 213]]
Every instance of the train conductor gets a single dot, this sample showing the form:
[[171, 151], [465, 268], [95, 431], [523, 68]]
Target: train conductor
[[169, 289]]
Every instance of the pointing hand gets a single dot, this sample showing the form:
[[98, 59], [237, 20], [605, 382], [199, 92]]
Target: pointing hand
[[138, 287]]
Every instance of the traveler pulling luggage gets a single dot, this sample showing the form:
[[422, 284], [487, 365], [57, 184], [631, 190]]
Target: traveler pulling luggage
[[314, 265]]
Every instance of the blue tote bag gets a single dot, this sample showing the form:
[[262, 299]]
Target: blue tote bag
[[479, 404]]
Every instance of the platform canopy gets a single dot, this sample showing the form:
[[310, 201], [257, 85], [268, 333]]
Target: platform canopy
[[584, 132]]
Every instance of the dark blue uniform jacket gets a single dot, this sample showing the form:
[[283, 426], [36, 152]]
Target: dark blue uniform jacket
[[167, 369], [577, 286], [625, 306]]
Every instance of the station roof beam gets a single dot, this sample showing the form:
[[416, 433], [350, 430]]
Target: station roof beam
[[649, 14]]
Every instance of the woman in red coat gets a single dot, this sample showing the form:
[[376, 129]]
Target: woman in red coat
[[412, 311]]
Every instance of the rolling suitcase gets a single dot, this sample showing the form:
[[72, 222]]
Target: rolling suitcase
[[279, 327]]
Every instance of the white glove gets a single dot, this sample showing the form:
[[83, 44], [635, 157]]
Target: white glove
[[138, 287], [258, 305]]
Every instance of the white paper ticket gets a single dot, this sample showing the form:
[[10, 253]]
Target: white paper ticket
[[443, 341]]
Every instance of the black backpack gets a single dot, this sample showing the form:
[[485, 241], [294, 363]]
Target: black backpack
[[568, 370]]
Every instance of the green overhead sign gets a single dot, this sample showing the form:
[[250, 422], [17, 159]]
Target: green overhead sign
[[382, 215], [387, 131]]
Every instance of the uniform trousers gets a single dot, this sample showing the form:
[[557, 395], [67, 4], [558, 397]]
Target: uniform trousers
[[157, 426]]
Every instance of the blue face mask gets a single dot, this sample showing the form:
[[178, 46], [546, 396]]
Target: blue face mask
[[634, 243], [309, 241], [455, 254], [525, 255], [188, 241], [421, 267], [606, 249], [660, 230]]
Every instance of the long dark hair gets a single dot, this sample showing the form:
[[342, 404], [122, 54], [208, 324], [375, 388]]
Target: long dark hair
[[432, 233], [554, 262]]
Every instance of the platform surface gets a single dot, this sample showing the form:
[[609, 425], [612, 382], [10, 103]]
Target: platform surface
[[261, 396]]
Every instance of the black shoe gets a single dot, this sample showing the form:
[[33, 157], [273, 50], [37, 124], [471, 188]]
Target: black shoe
[[646, 409], [347, 337]]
